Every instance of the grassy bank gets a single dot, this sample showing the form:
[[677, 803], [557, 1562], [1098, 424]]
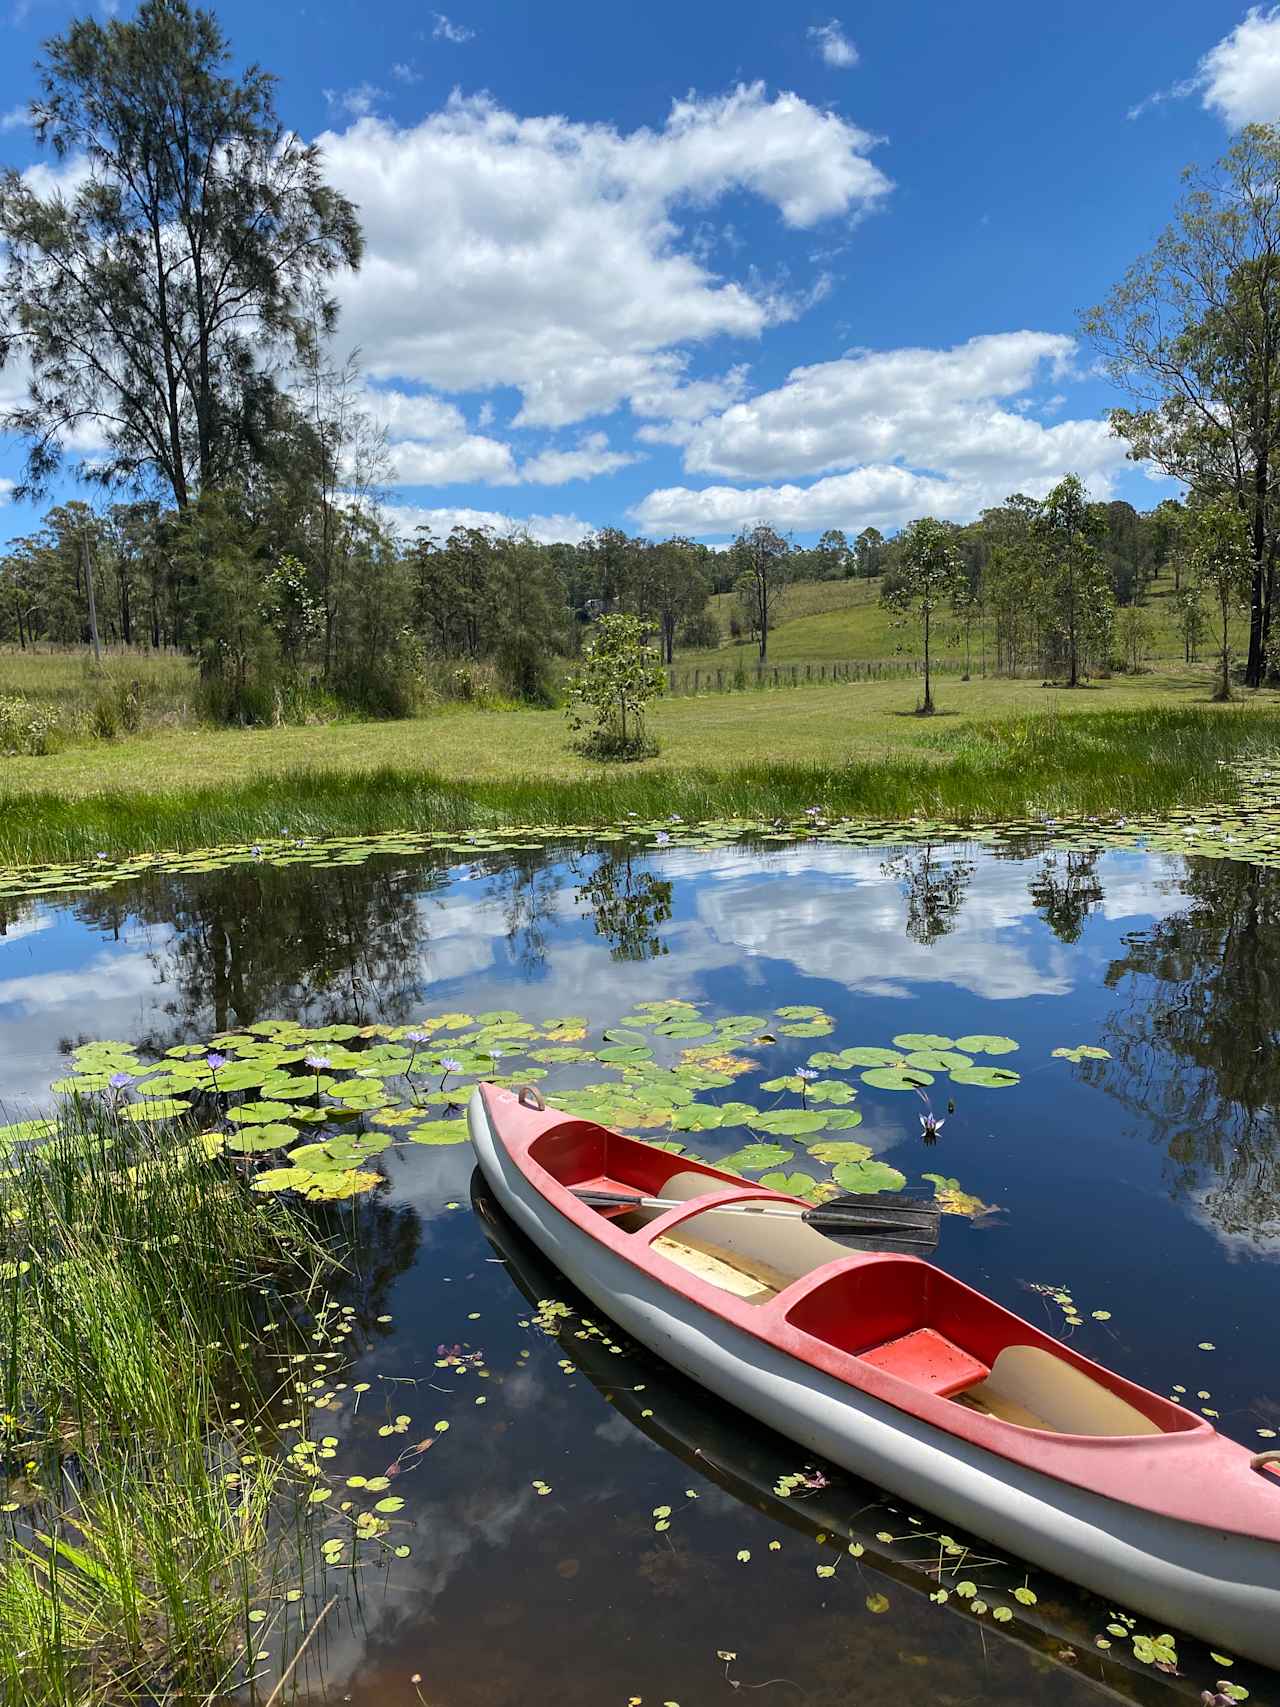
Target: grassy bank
[[138, 1528], [1136, 760]]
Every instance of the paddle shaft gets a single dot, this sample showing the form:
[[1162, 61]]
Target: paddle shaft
[[870, 1220]]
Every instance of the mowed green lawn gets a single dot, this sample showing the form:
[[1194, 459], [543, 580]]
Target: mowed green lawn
[[827, 726]]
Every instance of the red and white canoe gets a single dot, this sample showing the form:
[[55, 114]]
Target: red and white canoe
[[894, 1370]]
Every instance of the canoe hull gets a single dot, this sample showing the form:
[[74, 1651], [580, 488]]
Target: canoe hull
[[1222, 1587]]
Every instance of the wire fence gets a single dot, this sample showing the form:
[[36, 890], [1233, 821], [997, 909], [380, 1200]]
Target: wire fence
[[691, 679]]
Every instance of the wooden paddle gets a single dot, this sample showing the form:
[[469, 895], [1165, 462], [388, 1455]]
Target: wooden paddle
[[873, 1222]]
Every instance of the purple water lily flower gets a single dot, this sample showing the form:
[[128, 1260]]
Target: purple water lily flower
[[317, 1063], [930, 1126], [215, 1062], [449, 1065], [416, 1037], [662, 838], [120, 1081], [805, 1073]]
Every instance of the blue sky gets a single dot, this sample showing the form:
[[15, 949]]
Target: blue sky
[[680, 267]]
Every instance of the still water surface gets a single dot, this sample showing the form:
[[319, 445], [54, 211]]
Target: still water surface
[[1147, 1184]]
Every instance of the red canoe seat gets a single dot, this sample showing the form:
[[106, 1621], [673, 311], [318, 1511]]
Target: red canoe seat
[[928, 1359]]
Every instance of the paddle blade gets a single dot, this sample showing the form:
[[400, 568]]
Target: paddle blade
[[874, 1212]]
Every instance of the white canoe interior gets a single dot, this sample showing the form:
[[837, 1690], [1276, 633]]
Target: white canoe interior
[[755, 1258]]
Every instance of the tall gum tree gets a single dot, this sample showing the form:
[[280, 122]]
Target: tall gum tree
[[154, 295], [1192, 333]]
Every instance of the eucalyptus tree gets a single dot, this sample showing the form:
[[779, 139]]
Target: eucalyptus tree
[[1218, 556], [929, 575], [762, 560], [152, 292], [1192, 333], [1079, 597], [666, 584]]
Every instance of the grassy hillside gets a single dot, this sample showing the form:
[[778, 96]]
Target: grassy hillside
[[823, 621]]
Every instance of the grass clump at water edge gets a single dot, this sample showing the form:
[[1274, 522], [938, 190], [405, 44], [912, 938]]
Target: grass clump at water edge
[[135, 1284], [1103, 764]]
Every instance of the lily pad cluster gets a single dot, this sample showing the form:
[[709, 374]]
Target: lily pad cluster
[[320, 1111], [1248, 829]]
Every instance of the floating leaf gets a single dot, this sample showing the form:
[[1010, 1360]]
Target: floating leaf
[[161, 1109], [923, 1040], [1083, 1052], [256, 1139], [992, 1078], [620, 1054], [982, 1043], [439, 1132], [902, 1078], [698, 1117], [791, 1122], [868, 1176], [753, 1158], [792, 1185], [953, 1201], [833, 1151]]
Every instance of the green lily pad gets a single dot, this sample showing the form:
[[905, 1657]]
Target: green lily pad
[[753, 1158], [938, 1060], [834, 1151], [902, 1078], [259, 1113], [992, 1078], [842, 1119], [830, 1091], [617, 1034], [254, 1140], [793, 1185], [439, 1132], [862, 1055], [980, 1043], [800, 1012], [868, 1176], [738, 1114], [791, 1122], [697, 1117], [1081, 1052], [784, 1082], [622, 1054], [923, 1040], [162, 1108]]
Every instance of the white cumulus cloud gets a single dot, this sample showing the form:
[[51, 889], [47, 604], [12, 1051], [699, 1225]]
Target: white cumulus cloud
[[834, 46], [894, 434], [1238, 78], [406, 519], [446, 30], [547, 254]]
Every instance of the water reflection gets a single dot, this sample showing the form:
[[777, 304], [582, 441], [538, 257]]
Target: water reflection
[[1194, 1036], [1109, 1177], [628, 904]]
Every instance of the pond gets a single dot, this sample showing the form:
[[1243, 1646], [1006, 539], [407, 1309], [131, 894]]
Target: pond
[[591, 1528]]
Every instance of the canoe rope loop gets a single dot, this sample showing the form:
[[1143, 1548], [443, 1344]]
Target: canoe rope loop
[[1265, 1461], [528, 1097]]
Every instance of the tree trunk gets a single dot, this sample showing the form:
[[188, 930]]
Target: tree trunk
[[93, 608], [928, 690]]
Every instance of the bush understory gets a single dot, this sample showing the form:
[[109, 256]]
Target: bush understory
[[1105, 763]]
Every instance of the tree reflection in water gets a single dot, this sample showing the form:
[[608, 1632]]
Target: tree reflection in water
[[627, 907], [254, 942], [1195, 1042], [934, 885]]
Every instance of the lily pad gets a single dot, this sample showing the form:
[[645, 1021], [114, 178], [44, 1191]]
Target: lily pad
[[259, 1113], [622, 1054], [791, 1122], [843, 1119], [902, 1078], [697, 1117], [439, 1132], [793, 1185], [923, 1040], [982, 1043], [162, 1108], [254, 1140], [834, 1151], [862, 1055], [938, 1060], [753, 1158], [1080, 1052], [992, 1078], [868, 1177]]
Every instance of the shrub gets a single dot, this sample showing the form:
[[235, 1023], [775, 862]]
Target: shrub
[[701, 631], [25, 728], [524, 669], [117, 709], [609, 696]]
